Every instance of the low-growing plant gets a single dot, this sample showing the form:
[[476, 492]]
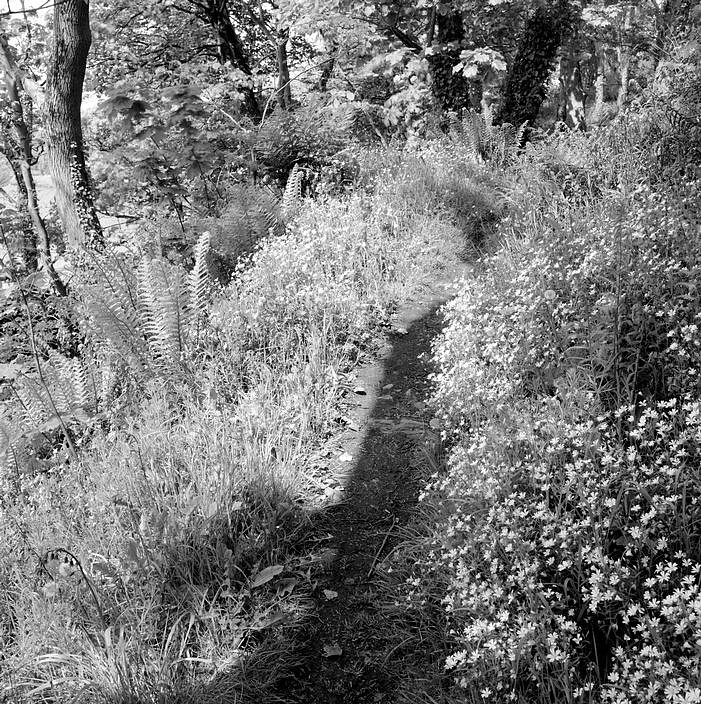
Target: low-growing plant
[[564, 531]]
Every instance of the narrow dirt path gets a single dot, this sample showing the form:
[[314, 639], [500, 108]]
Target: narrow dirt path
[[346, 650]]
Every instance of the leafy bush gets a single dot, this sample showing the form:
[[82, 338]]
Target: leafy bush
[[309, 137]]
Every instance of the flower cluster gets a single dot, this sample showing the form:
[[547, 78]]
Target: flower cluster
[[566, 528]]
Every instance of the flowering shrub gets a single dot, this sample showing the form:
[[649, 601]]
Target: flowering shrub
[[566, 529]]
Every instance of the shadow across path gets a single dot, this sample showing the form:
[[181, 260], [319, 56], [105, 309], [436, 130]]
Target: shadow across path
[[345, 649]]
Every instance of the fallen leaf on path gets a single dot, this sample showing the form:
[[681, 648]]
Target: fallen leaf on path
[[335, 493], [332, 650], [264, 576], [401, 331], [330, 594], [360, 390], [387, 387], [345, 457], [286, 586], [327, 557]]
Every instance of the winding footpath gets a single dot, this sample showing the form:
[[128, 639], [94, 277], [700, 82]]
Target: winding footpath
[[347, 651]]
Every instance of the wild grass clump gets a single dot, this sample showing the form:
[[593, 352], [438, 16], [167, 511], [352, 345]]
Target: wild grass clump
[[565, 531], [153, 562]]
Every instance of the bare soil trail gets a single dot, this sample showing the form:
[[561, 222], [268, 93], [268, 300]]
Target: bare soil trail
[[346, 649]]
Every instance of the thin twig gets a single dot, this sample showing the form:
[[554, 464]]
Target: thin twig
[[382, 547]]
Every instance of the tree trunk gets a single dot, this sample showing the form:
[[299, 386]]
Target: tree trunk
[[64, 95], [231, 50], [623, 73], [21, 163], [524, 88], [600, 83], [451, 90], [327, 69], [572, 104], [624, 53], [29, 239], [284, 90]]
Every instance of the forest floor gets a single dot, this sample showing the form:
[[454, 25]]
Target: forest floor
[[348, 650]]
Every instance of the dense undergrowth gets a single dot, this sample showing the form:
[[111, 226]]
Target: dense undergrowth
[[560, 560], [157, 475], [163, 447]]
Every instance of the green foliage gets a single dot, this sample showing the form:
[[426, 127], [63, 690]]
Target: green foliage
[[142, 317], [482, 140], [524, 88], [191, 481], [564, 532], [307, 137]]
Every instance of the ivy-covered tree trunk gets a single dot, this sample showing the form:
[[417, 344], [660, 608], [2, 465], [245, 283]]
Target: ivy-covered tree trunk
[[64, 96], [524, 88], [599, 83], [451, 90], [573, 98], [624, 58], [231, 50], [284, 90], [29, 240]]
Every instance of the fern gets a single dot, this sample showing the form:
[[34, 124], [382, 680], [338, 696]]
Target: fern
[[484, 141], [141, 316], [292, 196], [110, 313], [252, 214], [14, 457], [198, 279], [63, 387], [199, 283], [162, 309]]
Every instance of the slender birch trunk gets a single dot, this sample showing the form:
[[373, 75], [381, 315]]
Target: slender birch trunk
[[37, 250]]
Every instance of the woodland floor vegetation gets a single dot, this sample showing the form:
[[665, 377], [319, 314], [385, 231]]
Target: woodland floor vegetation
[[173, 375], [562, 541], [141, 564]]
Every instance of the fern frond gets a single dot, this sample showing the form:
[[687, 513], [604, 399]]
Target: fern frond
[[520, 133], [36, 406], [111, 316], [473, 136], [488, 120], [268, 209], [199, 284], [6, 449], [70, 379], [293, 192], [198, 280], [161, 302]]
